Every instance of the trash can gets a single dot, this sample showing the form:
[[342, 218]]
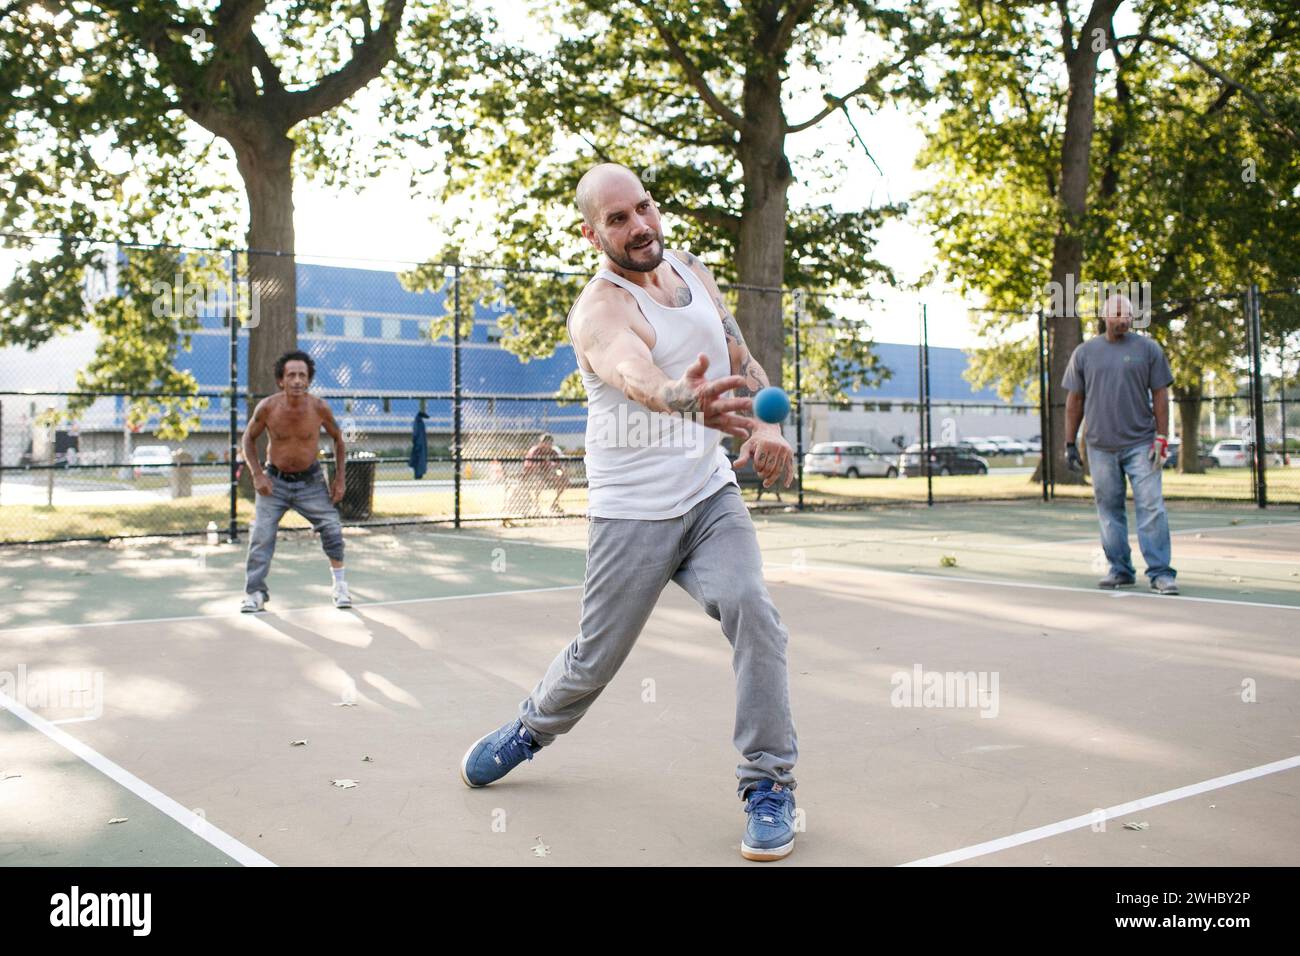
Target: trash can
[[358, 486]]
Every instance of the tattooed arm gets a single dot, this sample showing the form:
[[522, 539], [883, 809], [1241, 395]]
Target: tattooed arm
[[603, 334], [742, 363], [773, 457]]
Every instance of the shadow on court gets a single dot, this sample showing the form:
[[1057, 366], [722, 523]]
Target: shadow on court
[[939, 706]]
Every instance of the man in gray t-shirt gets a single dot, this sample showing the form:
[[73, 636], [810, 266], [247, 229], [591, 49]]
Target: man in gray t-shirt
[[1119, 384]]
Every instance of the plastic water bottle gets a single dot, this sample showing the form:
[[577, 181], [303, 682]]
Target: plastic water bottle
[[212, 532]]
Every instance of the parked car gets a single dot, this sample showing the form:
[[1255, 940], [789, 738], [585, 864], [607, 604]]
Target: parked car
[[1235, 453], [1034, 445], [1175, 448], [944, 460], [982, 446], [1007, 445], [843, 459], [1230, 454], [150, 460]]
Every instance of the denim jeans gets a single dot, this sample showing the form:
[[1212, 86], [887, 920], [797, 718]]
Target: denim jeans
[[1109, 469], [712, 553], [311, 499]]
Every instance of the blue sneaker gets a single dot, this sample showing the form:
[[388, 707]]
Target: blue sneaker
[[769, 834], [497, 754]]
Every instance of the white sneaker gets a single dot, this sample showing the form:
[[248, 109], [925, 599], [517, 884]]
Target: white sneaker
[[253, 602], [341, 596]]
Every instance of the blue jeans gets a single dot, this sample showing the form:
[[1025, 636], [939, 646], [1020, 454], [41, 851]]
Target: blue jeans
[[1109, 469], [311, 499]]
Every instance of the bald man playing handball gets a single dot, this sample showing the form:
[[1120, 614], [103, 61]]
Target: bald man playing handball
[[658, 352]]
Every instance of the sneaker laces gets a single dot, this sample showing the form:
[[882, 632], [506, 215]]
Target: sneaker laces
[[512, 741], [772, 801]]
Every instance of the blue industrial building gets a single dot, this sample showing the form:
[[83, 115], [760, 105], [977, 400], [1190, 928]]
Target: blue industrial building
[[370, 338], [374, 353]]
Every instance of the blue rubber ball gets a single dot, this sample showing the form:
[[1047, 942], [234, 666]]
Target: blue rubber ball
[[772, 405]]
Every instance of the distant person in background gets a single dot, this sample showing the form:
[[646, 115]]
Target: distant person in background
[[293, 477], [542, 471], [1119, 384]]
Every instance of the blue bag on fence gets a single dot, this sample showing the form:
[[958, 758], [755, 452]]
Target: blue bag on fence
[[419, 446]]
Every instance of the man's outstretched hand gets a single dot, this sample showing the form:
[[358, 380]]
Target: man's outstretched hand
[[693, 394]]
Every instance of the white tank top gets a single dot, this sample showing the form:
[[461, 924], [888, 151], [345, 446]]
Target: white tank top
[[644, 464]]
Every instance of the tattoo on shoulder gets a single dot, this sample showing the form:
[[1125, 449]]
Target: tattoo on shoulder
[[729, 324]]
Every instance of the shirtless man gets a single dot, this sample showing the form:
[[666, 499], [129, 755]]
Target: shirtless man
[[543, 471], [293, 478]]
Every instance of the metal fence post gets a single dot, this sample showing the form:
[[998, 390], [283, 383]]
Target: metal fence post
[[1044, 410], [1258, 432], [798, 394], [923, 388], [232, 312], [1049, 440], [1281, 364], [455, 396]]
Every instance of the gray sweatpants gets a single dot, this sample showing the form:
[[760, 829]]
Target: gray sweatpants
[[311, 499], [712, 553]]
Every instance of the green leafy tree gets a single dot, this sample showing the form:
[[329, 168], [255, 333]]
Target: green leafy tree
[[1164, 201], [168, 85], [694, 97]]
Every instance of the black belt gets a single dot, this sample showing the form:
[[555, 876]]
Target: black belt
[[310, 473]]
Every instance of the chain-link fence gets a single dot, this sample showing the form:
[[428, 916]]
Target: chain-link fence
[[125, 391], [98, 475], [896, 422]]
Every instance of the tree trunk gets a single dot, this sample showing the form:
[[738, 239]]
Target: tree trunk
[[1067, 250], [267, 171], [271, 314], [760, 252], [1188, 403]]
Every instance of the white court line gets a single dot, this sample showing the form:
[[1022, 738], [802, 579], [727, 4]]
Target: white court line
[[1254, 526], [532, 544], [919, 537], [1000, 549], [288, 610], [1079, 822], [196, 824], [805, 568]]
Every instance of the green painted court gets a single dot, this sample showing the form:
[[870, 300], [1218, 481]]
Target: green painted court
[[143, 696]]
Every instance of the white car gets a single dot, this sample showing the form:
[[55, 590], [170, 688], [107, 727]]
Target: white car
[[846, 459], [1008, 445], [150, 460], [1235, 453], [983, 446], [1034, 445]]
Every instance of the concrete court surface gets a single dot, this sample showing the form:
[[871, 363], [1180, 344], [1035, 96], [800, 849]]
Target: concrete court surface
[[1099, 701]]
